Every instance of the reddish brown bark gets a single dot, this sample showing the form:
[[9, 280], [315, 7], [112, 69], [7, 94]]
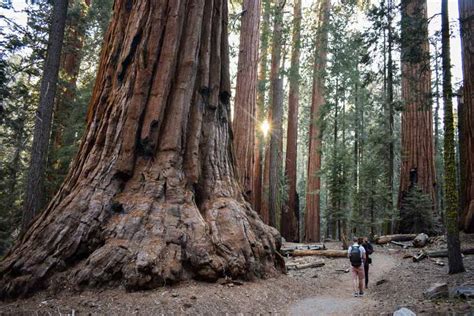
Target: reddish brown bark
[[152, 196], [273, 159], [466, 118], [246, 96], [417, 165], [260, 111], [289, 219], [312, 213]]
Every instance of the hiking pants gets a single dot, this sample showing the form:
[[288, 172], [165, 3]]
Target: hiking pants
[[366, 270]]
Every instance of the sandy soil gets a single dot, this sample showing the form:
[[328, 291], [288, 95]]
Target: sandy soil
[[317, 291]]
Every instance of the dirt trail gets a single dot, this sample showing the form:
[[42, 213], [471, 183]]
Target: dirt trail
[[339, 300]]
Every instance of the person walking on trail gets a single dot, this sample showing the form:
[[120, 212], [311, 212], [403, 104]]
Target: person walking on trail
[[368, 250], [357, 257]]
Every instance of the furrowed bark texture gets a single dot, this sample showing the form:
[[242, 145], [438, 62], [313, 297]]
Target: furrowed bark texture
[[39, 151], [466, 137], [246, 96], [152, 196], [417, 165], [451, 193], [289, 217], [312, 212], [273, 158], [260, 110]]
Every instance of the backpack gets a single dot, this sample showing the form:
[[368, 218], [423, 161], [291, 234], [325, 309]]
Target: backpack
[[355, 257]]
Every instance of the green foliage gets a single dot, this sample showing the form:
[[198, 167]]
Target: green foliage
[[417, 213]]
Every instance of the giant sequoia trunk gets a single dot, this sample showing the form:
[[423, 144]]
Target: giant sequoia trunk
[[152, 196], [289, 215], [312, 212], [466, 133], [246, 96], [273, 160], [417, 165]]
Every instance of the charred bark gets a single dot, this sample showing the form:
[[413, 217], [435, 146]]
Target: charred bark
[[152, 197]]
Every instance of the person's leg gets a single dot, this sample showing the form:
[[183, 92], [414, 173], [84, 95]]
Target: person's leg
[[366, 272], [361, 280], [355, 280]]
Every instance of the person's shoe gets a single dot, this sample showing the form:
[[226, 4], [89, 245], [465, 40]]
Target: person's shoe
[[356, 294], [361, 294]]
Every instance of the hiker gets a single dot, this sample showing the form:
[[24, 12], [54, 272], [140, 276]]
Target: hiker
[[368, 250], [357, 257]]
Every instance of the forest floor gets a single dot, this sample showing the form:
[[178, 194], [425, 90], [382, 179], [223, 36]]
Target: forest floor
[[318, 291]]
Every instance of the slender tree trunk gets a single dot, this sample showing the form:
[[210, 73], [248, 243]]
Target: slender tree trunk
[[152, 196], [260, 110], [452, 203], [273, 159], [289, 219], [313, 186], [466, 13], [437, 147], [64, 105], [39, 151], [391, 151], [246, 96], [417, 121]]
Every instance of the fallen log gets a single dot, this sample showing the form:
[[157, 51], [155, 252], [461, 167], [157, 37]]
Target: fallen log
[[401, 244], [388, 238], [419, 257], [289, 249], [330, 253], [315, 264], [444, 252]]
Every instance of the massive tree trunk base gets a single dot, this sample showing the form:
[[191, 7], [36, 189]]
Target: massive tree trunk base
[[152, 196], [141, 240]]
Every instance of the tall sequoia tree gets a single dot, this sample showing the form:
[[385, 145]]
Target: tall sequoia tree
[[289, 219], [39, 150], [152, 195], [273, 159], [260, 109], [312, 213], [452, 205], [466, 133], [246, 95], [417, 156]]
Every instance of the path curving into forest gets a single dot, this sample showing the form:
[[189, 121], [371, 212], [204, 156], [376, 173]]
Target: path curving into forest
[[339, 298]]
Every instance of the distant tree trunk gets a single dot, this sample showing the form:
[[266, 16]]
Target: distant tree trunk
[[273, 158], [417, 165], [246, 96], [313, 186], [452, 203], [71, 57], [39, 151], [152, 197], [289, 220], [390, 97], [260, 110], [466, 13]]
